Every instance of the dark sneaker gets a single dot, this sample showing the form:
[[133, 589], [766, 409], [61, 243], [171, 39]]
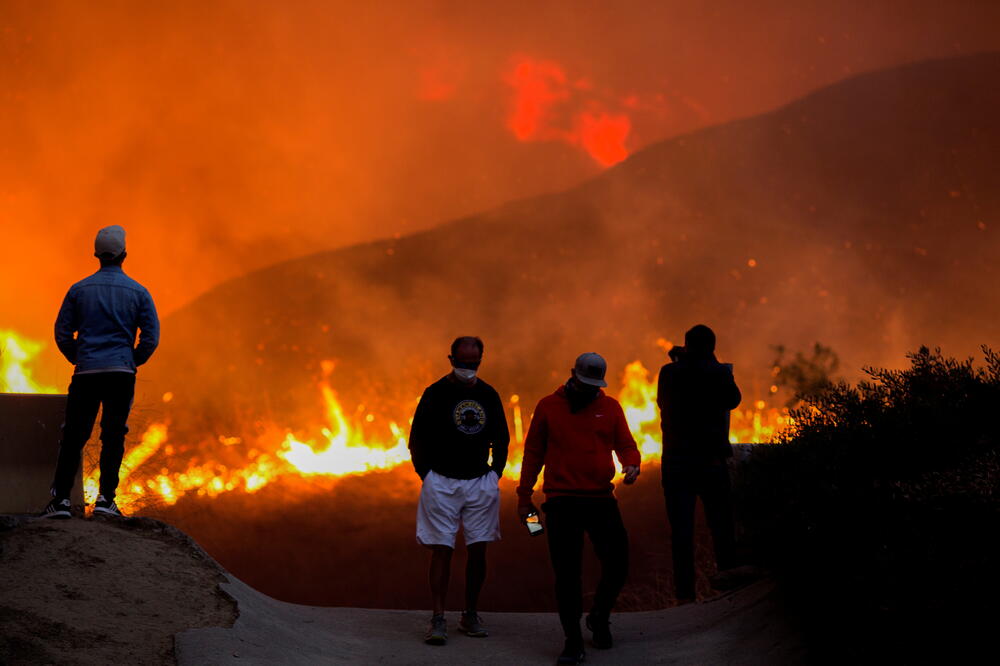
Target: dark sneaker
[[106, 507], [572, 654], [437, 634], [600, 627], [472, 625], [57, 508]]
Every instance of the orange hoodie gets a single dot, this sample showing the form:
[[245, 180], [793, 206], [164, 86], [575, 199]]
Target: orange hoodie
[[575, 448]]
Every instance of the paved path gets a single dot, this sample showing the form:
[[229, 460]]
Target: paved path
[[744, 627]]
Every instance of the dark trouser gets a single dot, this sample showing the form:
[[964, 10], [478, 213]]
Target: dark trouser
[[567, 519], [113, 391], [682, 485]]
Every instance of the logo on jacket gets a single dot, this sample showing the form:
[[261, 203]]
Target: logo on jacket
[[469, 417]]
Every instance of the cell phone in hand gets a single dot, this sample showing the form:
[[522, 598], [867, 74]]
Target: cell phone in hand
[[534, 524]]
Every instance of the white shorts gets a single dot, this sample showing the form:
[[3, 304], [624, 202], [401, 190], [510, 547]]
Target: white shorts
[[445, 504]]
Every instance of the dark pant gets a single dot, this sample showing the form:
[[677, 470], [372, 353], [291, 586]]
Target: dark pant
[[682, 485], [113, 391], [567, 519]]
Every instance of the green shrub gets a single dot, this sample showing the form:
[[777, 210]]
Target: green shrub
[[802, 376], [879, 509]]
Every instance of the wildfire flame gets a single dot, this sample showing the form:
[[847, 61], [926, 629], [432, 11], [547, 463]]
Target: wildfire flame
[[344, 452], [348, 446], [16, 353], [343, 446], [540, 88], [603, 135]]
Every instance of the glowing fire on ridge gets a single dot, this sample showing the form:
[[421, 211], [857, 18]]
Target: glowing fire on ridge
[[603, 135], [540, 87], [345, 447], [345, 451]]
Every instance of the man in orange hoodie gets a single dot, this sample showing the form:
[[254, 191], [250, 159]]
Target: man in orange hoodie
[[573, 434]]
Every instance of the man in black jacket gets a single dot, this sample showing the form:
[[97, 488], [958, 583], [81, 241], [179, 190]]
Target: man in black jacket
[[459, 419], [695, 395]]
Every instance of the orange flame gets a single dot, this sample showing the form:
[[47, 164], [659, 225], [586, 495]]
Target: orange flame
[[603, 135], [345, 446], [345, 451], [754, 425], [540, 86], [348, 447], [16, 353]]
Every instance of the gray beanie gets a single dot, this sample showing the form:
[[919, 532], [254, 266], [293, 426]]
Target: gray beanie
[[110, 242]]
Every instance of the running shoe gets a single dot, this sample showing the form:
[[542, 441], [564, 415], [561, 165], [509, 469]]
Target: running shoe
[[437, 634], [472, 625], [57, 508], [107, 507]]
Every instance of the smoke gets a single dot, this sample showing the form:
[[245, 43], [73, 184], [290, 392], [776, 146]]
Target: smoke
[[860, 216], [229, 136], [798, 226]]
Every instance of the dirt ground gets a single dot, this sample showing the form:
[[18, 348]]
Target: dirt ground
[[102, 591], [139, 591]]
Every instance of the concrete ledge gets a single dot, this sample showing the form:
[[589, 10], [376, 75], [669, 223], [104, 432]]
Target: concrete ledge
[[30, 429]]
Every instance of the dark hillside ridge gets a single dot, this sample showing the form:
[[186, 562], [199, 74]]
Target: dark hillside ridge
[[871, 209]]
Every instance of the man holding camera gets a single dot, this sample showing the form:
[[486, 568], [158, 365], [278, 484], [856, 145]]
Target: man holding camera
[[459, 419], [573, 433], [695, 394]]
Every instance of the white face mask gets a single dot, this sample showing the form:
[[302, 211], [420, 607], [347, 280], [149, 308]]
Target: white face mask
[[463, 374]]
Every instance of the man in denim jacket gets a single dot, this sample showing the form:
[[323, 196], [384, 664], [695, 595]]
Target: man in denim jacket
[[96, 331]]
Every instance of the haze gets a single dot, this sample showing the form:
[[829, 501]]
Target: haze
[[232, 135]]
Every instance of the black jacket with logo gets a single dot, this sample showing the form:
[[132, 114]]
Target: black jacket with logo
[[454, 428]]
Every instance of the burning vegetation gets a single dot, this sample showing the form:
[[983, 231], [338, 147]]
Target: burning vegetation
[[763, 228], [341, 442]]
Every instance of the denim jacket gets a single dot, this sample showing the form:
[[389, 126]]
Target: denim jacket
[[105, 310]]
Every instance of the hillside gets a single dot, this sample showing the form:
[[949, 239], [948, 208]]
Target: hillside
[[869, 210]]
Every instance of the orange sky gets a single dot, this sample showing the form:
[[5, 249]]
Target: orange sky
[[229, 135]]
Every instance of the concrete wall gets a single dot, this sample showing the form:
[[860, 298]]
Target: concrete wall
[[30, 428]]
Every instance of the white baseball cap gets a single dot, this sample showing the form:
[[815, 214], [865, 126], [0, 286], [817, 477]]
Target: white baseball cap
[[110, 242]]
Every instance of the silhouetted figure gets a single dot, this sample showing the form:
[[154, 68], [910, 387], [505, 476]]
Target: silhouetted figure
[[573, 433], [96, 331], [695, 395], [458, 420]]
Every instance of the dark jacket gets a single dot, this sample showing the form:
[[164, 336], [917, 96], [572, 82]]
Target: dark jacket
[[695, 395], [105, 311], [454, 429]]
